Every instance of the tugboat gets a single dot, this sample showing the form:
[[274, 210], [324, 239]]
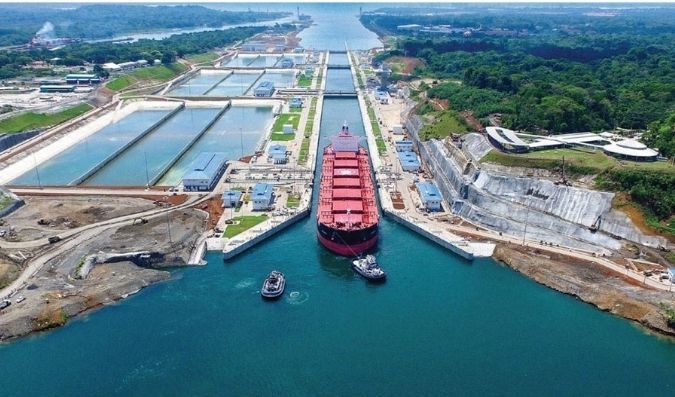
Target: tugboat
[[368, 268], [273, 286]]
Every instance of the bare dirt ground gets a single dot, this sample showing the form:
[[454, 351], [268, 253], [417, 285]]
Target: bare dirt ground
[[404, 65], [54, 295], [43, 216], [607, 290]]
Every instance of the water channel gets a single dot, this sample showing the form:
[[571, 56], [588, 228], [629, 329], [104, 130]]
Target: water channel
[[438, 326]]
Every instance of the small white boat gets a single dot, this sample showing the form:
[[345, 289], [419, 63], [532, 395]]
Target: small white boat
[[274, 285], [368, 268]]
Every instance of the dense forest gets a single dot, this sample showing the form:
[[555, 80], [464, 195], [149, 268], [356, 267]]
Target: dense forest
[[543, 79], [167, 50], [18, 23]]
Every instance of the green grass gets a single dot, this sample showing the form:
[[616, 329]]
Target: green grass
[[286, 118], [293, 201], [375, 125], [159, 73], [304, 81], [280, 137], [242, 224], [31, 121], [4, 201], [445, 123], [203, 58], [309, 126], [577, 161]]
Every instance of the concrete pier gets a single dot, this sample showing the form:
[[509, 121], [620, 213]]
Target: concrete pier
[[428, 228]]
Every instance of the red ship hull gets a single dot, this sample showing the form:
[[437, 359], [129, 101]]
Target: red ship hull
[[348, 250], [347, 218]]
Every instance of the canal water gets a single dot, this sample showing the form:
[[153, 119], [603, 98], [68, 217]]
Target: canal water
[[144, 160], [237, 133], [438, 326], [81, 157]]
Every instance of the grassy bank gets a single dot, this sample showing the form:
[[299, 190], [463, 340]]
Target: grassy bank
[[153, 73], [242, 224], [304, 81], [375, 125], [203, 57], [577, 161], [442, 124], [309, 127], [30, 121]]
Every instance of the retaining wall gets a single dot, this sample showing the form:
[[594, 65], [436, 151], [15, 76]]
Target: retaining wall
[[268, 233]]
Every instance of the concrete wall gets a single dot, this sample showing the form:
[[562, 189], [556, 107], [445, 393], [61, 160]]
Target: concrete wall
[[16, 203], [230, 253], [443, 243], [9, 140]]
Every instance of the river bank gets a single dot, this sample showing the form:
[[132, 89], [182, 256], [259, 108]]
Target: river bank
[[62, 290], [593, 284]]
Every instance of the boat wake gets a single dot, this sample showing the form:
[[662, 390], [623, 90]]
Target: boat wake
[[245, 283], [297, 297]]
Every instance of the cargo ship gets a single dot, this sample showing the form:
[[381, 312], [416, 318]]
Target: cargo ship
[[347, 218]]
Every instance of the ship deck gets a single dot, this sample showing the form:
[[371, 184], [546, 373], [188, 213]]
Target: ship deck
[[347, 194]]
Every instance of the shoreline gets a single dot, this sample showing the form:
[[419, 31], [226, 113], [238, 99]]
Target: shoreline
[[605, 290]]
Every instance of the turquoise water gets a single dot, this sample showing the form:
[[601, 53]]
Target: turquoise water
[[438, 326], [341, 80], [240, 61], [338, 59], [198, 85], [236, 134], [264, 61], [280, 79], [81, 157], [157, 148], [235, 85]]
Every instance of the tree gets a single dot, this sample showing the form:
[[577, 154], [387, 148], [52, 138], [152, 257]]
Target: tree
[[168, 57], [98, 70]]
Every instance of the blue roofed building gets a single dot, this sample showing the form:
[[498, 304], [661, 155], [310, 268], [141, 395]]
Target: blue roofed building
[[430, 196], [264, 89], [277, 154], [409, 161], [404, 145], [205, 172], [262, 196], [286, 63], [46, 88], [78, 78], [231, 198], [295, 103]]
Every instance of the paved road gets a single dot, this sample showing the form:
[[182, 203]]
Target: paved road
[[77, 236]]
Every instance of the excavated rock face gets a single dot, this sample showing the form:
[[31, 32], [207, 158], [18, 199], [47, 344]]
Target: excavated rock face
[[556, 213]]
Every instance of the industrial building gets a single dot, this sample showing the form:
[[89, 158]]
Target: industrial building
[[404, 145], [286, 63], [205, 172], [277, 153], [231, 198], [264, 89], [430, 196], [82, 79], [409, 161], [262, 196], [254, 46], [57, 88]]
